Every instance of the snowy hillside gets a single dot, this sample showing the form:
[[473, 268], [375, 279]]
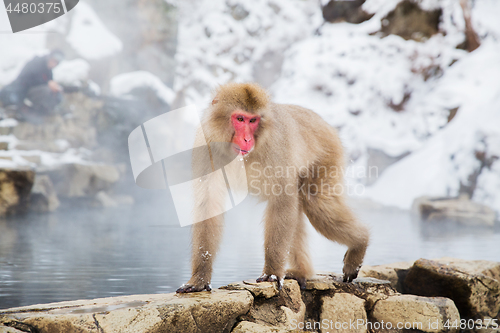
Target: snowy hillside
[[386, 95]]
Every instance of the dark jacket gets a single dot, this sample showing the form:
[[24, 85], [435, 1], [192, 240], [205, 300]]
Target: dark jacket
[[34, 73]]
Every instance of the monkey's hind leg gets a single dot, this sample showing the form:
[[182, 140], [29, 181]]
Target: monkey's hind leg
[[280, 220], [331, 217], [300, 262]]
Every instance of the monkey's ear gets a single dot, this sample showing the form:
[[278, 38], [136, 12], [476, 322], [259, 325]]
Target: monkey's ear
[[215, 100]]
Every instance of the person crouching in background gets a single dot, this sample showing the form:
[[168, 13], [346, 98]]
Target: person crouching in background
[[34, 90]]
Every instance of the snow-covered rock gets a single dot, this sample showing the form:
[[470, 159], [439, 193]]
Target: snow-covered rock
[[72, 72], [123, 84]]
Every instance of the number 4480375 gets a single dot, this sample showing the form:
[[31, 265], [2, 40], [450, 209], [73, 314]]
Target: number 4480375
[[471, 323], [32, 8]]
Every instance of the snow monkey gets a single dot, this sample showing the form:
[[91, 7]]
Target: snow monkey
[[293, 160]]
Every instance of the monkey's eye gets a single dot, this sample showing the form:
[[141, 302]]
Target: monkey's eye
[[253, 120], [240, 119]]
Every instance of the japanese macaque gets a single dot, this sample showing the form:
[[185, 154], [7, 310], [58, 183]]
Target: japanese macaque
[[294, 161]]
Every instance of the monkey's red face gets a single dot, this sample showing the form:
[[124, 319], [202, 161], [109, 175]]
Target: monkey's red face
[[245, 124]]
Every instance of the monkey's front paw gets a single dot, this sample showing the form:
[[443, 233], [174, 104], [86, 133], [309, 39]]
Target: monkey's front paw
[[271, 278], [350, 274], [189, 288]]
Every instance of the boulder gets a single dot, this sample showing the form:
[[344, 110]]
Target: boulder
[[15, 188], [426, 314], [43, 196], [474, 267], [460, 210], [410, 21], [395, 273], [279, 311], [345, 11], [370, 289], [470, 285], [214, 311], [343, 312], [325, 294], [325, 298]]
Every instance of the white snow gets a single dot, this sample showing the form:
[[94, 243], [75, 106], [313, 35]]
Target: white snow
[[72, 72], [448, 158], [8, 122], [94, 87], [89, 36], [215, 47], [387, 93], [123, 84]]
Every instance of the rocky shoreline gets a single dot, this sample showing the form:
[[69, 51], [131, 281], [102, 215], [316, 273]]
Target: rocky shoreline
[[443, 295]]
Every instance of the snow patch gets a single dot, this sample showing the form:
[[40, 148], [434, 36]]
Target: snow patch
[[72, 72], [123, 84], [89, 36]]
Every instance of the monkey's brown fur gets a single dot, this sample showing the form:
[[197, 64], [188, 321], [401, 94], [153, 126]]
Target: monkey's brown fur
[[301, 142]]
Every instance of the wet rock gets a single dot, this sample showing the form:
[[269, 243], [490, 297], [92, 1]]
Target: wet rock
[[363, 287], [430, 314], [345, 11], [474, 267], [261, 289], [395, 273], [410, 21], [251, 307], [475, 294], [460, 210], [326, 286], [15, 188], [43, 196], [202, 312], [343, 309], [249, 327], [281, 310], [82, 180]]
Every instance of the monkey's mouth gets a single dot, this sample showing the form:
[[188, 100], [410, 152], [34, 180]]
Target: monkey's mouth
[[238, 150]]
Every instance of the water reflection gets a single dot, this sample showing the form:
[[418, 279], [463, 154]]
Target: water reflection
[[141, 249]]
